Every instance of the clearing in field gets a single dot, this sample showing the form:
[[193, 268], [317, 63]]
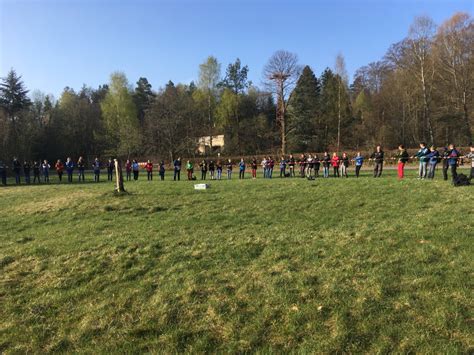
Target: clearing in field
[[335, 265]]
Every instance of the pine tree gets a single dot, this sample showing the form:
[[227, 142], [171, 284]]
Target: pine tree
[[143, 97], [13, 95], [304, 128]]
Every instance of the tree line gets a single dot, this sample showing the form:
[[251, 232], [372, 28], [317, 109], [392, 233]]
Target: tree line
[[421, 90]]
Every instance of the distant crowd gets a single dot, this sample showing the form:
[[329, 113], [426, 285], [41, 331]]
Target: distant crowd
[[305, 166]]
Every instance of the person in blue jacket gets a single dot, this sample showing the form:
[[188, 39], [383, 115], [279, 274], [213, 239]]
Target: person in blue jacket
[[433, 159], [242, 169], [135, 169], [359, 161], [69, 169], [422, 156], [96, 168], [453, 158]]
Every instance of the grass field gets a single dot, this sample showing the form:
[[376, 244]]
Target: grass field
[[335, 265]]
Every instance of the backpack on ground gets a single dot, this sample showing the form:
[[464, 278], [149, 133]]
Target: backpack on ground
[[461, 180]]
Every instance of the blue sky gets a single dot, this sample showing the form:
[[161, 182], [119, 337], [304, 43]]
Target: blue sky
[[54, 43]]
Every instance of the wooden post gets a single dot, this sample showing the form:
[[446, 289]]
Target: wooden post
[[119, 176]]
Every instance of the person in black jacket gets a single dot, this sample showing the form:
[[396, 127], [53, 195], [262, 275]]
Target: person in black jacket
[[203, 166], [110, 169], [445, 157], [36, 172], [26, 171], [3, 173], [17, 170], [378, 157]]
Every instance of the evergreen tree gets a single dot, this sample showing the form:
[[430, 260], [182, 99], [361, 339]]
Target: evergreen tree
[[143, 97], [304, 118], [13, 95]]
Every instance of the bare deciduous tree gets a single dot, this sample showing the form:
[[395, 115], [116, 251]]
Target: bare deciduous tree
[[280, 76]]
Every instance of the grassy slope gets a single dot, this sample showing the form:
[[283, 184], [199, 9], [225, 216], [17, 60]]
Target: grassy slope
[[331, 265]]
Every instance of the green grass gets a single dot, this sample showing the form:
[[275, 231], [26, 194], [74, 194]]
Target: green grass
[[336, 265]]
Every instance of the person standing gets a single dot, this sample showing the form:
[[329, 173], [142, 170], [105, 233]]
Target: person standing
[[190, 169], [378, 158], [422, 156], [219, 169], [162, 170], [264, 167], [203, 166], [3, 173], [242, 169], [110, 169], [59, 166], [36, 172], [326, 164], [444, 158], [309, 166], [96, 168], [229, 169], [135, 169], [291, 165], [453, 158], [212, 170], [128, 170], [26, 171], [69, 169], [271, 165], [45, 168], [402, 158], [359, 161], [149, 170], [81, 166], [317, 165], [344, 165], [282, 167], [17, 170], [177, 169], [302, 164], [433, 159], [471, 156], [254, 168], [335, 164]]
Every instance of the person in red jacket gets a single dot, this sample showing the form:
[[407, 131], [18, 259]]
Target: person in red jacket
[[59, 166], [149, 170], [128, 169], [335, 164]]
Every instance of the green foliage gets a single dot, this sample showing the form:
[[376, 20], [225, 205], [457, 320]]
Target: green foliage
[[143, 97], [13, 94], [304, 131], [347, 266], [120, 117], [236, 77], [333, 89]]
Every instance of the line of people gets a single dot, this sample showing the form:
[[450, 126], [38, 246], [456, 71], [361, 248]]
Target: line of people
[[309, 166]]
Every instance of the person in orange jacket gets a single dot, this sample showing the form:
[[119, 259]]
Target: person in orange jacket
[[59, 166], [335, 164], [149, 170]]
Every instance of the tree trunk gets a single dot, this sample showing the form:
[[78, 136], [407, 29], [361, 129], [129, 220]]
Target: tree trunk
[[466, 118], [338, 114], [210, 123], [118, 174]]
